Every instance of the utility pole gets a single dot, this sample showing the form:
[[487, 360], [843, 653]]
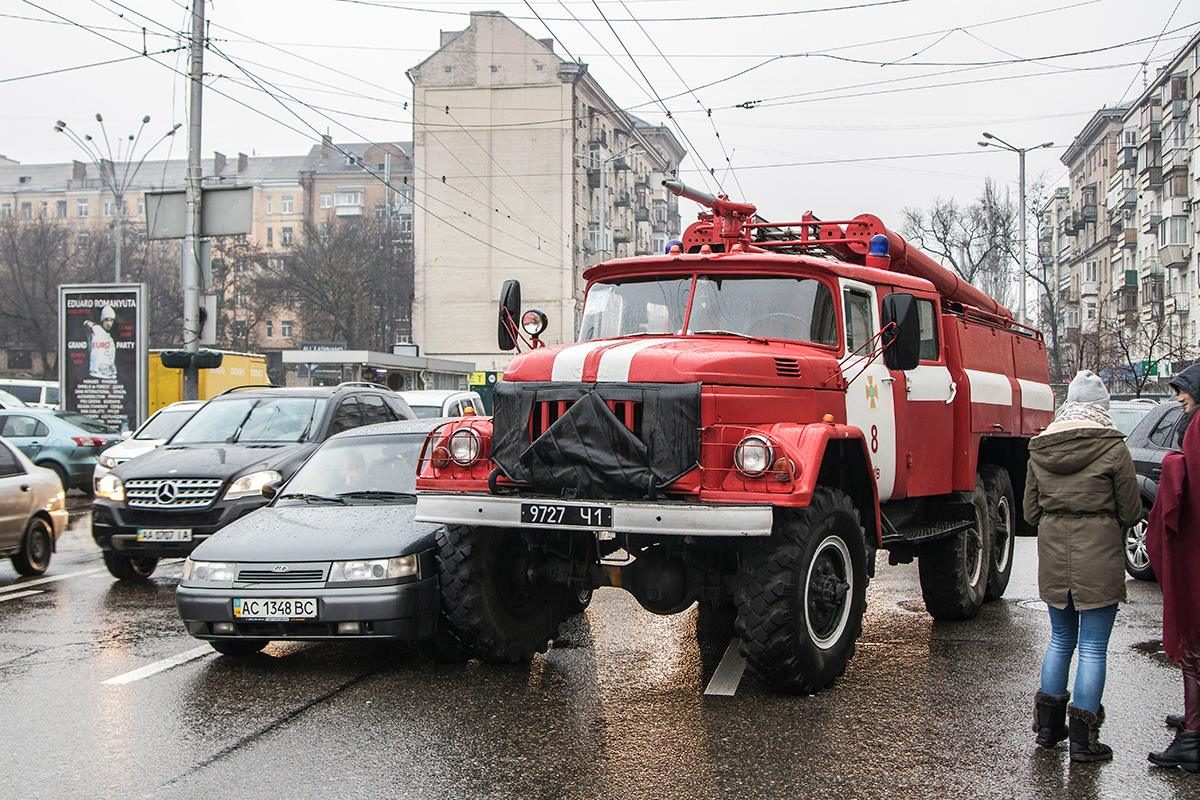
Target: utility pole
[[190, 276]]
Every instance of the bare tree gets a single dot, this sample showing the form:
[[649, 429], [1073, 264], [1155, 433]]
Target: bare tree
[[975, 240], [1134, 352], [353, 280]]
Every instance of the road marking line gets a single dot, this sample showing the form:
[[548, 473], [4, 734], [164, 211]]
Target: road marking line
[[728, 674], [15, 595], [159, 666], [12, 587]]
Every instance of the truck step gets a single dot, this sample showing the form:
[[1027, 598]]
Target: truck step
[[927, 532]]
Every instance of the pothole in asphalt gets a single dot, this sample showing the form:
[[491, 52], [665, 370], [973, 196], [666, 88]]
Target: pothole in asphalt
[[1032, 605], [1154, 649]]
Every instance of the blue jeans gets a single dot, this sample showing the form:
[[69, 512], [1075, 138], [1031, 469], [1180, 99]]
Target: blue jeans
[[1090, 631]]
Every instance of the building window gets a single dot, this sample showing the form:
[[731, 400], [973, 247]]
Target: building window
[[45, 211], [60, 208], [286, 204], [26, 210], [381, 211], [81, 207], [285, 237], [82, 239], [352, 197], [141, 206], [239, 300], [5, 210], [270, 329], [406, 225], [270, 205], [1090, 271], [326, 200], [323, 228], [270, 237], [109, 208], [239, 328], [20, 359], [594, 237], [1173, 230], [285, 328]]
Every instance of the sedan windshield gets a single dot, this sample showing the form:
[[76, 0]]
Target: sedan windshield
[[252, 419], [797, 309], [360, 468]]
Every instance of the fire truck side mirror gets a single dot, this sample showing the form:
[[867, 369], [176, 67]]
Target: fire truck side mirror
[[902, 339], [510, 314]]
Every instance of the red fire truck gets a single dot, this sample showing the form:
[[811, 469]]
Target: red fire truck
[[744, 422]]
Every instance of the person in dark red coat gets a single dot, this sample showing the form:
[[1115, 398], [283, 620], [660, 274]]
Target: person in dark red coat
[[1173, 541]]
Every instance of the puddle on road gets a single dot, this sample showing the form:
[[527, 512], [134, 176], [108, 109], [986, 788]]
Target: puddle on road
[[1154, 649]]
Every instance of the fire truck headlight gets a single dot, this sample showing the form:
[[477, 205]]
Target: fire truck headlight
[[464, 447], [533, 322], [753, 456]]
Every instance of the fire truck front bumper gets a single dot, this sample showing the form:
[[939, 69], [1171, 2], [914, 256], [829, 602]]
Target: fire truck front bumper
[[664, 518]]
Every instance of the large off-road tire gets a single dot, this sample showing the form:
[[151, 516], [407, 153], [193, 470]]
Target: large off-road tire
[[128, 568], [36, 547], [801, 594], [1002, 517], [1137, 559], [954, 570], [492, 605]]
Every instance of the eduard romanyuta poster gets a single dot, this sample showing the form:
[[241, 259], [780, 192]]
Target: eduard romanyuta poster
[[103, 357]]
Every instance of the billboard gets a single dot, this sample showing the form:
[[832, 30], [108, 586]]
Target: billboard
[[102, 351]]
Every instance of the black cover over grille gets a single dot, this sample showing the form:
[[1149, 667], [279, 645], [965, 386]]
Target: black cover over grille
[[588, 451]]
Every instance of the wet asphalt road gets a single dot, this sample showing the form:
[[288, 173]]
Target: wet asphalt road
[[616, 709]]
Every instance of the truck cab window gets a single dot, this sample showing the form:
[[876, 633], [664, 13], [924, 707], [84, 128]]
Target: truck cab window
[[929, 334], [859, 327]]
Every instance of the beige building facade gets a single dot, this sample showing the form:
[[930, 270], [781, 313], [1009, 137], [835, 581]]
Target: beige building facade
[[524, 168]]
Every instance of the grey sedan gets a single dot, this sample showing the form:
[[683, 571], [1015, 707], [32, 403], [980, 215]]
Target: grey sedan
[[336, 554], [33, 511]]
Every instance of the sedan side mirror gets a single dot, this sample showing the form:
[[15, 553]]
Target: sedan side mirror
[[902, 332], [269, 490]]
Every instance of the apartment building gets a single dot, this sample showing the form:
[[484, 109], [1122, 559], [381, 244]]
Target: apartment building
[[525, 168], [291, 194], [1124, 236]]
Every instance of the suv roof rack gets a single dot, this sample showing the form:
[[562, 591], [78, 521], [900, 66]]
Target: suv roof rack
[[245, 387], [364, 383]]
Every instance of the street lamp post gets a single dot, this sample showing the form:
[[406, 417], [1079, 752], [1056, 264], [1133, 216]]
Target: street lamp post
[[991, 140], [633, 148], [116, 184]]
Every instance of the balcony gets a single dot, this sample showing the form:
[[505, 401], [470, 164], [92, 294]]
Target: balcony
[[622, 200], [348, 211], [1127, 157], [593, 174], [658, 226], [641, 215], [1182, 301], [1175, 256], [1179, 108], [1153, 176], [1089, 289], [1129, 238], [620, 163], [1045, 233], [1152, 131], [599, 138], [621, 236], [1176, 160], [1150, 223], [1127, 198], [1088, 213]]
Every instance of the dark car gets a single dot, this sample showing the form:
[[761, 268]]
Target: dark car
[[335, 555], [214, 468], [1153, 438]]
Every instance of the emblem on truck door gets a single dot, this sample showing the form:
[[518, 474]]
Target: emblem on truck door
[[872, 391]]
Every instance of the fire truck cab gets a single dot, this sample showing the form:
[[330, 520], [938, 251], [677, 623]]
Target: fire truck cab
[[743, 422]]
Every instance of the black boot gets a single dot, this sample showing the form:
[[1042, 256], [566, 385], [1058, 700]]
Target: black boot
[[1085, 735], [1050, 718], [1183, 752], [1175, 721]]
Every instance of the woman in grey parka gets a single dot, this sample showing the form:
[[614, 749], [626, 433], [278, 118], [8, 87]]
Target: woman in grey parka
[[1081, 491]]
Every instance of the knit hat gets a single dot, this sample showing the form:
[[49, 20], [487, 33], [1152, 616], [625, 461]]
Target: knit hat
[[1086, 387]]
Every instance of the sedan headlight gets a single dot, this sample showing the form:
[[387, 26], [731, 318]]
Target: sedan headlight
[[110, 487], [252, 484], [208, 571], [378, 569], [108, 462]]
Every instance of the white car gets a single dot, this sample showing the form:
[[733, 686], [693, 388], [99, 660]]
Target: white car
[[153, 433], [35, 394], [33, 511], [428, 403], [8, 400]]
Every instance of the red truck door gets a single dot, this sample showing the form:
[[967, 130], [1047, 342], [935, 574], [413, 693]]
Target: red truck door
[[871, 395], [927, 416]]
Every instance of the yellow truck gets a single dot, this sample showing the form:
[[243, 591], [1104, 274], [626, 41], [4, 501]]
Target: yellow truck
[[237, 369]]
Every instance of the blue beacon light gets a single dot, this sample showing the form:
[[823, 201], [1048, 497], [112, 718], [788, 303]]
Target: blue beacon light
[[877, 255]]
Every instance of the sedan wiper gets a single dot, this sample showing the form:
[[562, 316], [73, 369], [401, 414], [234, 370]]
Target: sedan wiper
[[314, 498], [380, 493], [720, 332]]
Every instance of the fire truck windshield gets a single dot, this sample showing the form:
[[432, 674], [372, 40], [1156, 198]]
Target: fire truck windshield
[[795, 309]]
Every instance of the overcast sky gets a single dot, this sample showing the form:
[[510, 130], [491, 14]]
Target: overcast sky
[[350, 57]]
